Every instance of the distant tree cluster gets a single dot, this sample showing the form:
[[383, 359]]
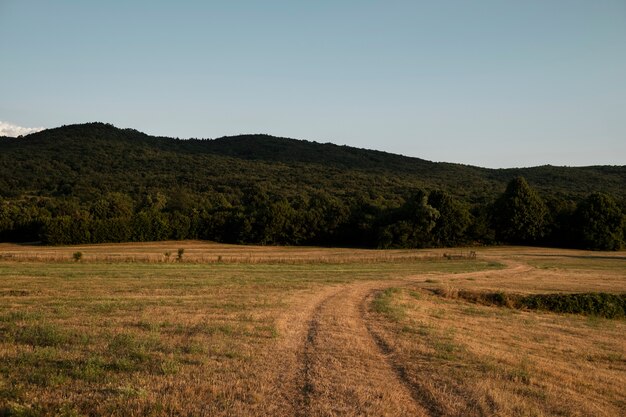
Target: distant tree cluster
[[419, 220], [520, 216]]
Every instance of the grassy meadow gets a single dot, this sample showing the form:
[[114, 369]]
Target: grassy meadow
[[129, 330]]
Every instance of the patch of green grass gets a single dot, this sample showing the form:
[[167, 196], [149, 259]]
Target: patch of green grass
[[170, 367], [473, 311], [383, 304], [416, 295], [43, 335], [445, 348], [438, 314], [20, 315], [209, 329], [149, 326], [192, 347], [520, 374], [48, 366], [130, 354], [11, 392], [106, 307], [408, 329], [424, 330], [269, 331], [578, 263], [93, 369], [20, 410]]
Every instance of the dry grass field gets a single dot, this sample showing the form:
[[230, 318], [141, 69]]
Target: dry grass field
[[274, 331]]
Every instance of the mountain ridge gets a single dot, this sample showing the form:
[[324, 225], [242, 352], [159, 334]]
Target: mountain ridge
[[96, 148], [224, 143]]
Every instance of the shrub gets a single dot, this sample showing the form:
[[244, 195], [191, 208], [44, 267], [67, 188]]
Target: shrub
[[592, 304]]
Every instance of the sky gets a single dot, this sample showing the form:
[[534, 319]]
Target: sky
[[493, 83]]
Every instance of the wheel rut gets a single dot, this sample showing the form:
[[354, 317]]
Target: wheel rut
[[307, 384], [418, 395], [344, 371], [332, 360]]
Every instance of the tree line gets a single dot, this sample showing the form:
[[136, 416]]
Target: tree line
[[256, 215]]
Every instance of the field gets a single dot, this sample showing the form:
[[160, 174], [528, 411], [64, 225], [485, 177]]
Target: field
[[130, 329]]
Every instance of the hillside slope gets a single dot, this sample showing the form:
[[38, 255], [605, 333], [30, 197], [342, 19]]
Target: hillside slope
[[88, 159]]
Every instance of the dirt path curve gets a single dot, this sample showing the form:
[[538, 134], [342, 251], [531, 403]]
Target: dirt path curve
[[329, 361], [329, 364]]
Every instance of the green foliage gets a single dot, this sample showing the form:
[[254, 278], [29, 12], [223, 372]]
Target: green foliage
[[384, 303], [592, 304], [410, 226], [520, 214], [600, 223], [77, 256], [95, 183], [453, 220]]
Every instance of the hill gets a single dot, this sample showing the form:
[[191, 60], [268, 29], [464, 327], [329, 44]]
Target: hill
[[85, 160], [97, 183]]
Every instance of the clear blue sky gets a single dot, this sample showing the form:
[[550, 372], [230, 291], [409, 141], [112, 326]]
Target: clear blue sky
[[496, 83]]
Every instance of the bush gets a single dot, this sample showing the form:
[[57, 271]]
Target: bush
[[77, 256], [592, 304]]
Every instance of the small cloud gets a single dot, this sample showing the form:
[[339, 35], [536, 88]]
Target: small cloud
[[9, 129]]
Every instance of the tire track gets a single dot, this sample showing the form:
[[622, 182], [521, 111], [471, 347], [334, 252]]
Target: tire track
[[304, 403], [419, 396], [344, 372], [287, 360], [332, 361]]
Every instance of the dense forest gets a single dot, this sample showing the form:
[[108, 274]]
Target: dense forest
[[95, 183]]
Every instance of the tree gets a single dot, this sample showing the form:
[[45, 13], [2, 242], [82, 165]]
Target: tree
[[520, 214], [65, 230], [481, 229], [561, 228], [600, 223], [453, 221], [113, 205], [411, 225]]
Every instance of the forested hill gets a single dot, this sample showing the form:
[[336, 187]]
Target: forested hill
[[85, 160], [94, 183]]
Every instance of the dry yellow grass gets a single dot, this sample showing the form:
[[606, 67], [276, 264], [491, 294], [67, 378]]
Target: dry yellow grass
[[464, 359], [273, 331], [468, 360], [208, 252]]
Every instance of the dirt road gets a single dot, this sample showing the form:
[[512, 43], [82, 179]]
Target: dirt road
[[331, 361]]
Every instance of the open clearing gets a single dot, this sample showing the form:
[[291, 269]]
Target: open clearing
[[269, 331]]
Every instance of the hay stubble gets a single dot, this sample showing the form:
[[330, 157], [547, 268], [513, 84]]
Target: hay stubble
[[282, 331]]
